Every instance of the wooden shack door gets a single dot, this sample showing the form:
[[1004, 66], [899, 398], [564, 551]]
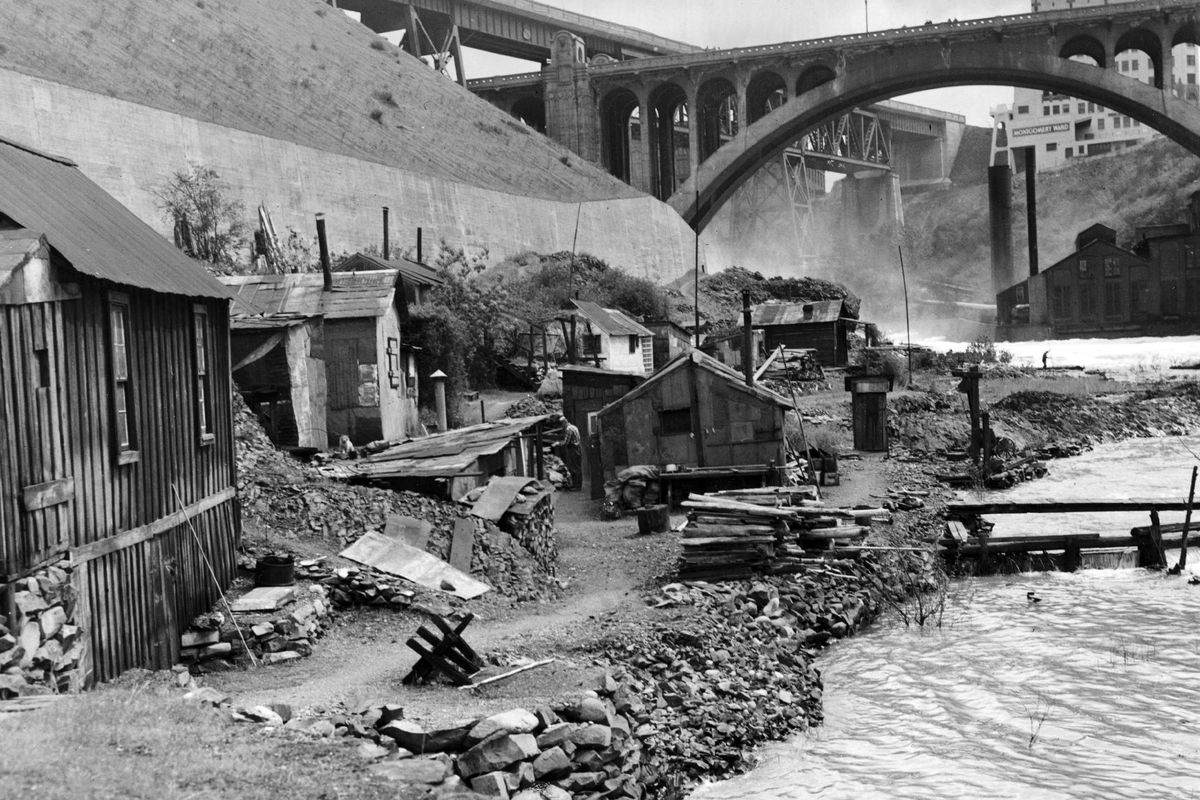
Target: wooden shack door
[[870, 422], [31, 350]]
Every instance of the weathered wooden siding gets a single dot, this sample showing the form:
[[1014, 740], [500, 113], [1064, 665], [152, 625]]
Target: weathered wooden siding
[[827, 338], [136, 531]]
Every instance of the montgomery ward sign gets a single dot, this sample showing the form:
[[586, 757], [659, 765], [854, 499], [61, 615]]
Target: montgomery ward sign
[[1040, 129]]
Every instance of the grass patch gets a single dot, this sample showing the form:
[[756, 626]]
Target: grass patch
[[148, 743]]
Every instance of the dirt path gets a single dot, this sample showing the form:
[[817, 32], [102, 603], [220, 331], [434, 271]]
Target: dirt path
[[364, 655]]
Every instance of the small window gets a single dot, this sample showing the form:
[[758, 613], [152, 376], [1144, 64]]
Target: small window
[[393, 362], [591, 344], [1085, 268], [633, 343], [1100, 124], [41, 357], [1191, 78], [1068, 152], [1112, 267], [1051, 147], [1045, 111], [120, 379], [1057, 110], [203, 375], [1022, 109], [1082, 108], [1191, 60], [676, 421]]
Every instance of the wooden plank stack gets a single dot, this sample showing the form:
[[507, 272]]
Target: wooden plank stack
[[734, 534]]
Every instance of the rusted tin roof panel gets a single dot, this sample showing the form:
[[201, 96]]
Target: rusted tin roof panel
[[355, 294], [91, 229]]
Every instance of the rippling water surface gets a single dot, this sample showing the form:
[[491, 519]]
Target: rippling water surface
[[1094, 692]]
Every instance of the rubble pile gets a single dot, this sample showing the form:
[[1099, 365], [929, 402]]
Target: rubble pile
[[727, 668], [40, 649], [289, 501], [530, 521], [214, 642], [531, 406]]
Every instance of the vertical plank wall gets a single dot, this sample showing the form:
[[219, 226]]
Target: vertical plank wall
[[136, 598]]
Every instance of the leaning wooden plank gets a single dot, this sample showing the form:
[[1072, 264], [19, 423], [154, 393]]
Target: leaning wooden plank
[[462, 545], [508, 674], [956, 530], [396, 558], [263, 598]]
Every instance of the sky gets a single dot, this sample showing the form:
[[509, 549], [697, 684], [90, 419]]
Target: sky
[[739, 23]]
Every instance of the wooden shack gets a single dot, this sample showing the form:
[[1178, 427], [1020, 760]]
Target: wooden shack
[[585, 391], [694, 413], [825, 326], [346, 372], [670, 340], [116, 442]]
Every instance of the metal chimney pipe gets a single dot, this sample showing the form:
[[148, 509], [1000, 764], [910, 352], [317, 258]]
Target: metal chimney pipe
[[386, 244], [324, 247], [419, 259], [747, 339]]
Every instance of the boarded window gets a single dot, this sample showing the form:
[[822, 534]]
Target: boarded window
[[1112, 299], [203, 379], [124, 433], [1062, 301], [676, 421], [1087, 301], [1085, 269]]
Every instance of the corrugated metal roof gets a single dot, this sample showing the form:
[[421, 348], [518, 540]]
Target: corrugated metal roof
[[355, 294], [412, 271], [444, 454], [91, 229], [612, 321], [796, 313]]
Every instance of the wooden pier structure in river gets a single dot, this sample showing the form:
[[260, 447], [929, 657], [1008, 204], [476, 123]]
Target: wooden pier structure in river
[[967, 537]]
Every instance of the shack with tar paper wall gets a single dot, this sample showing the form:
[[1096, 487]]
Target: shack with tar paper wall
[[695, 412], [368, 389], [607, 337], [116, 430], [825, 326]]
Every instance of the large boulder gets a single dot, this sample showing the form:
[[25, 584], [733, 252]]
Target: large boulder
[[497, 754]]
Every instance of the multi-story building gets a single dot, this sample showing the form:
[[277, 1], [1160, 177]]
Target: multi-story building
[[1060, 128]]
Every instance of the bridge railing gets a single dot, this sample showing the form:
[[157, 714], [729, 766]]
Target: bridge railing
[[904, 33]]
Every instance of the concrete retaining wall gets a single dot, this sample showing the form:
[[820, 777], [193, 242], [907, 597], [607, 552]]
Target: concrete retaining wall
[[131, 150]]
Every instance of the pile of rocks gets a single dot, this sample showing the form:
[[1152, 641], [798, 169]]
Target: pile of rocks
[[40, 649], [530, 406], [355, 586], [215, 643]]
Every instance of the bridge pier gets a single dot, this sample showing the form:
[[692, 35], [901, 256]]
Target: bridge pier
[[872, 200]]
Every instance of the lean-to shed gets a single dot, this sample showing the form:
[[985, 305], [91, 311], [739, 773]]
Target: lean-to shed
[[116, 444], [344, 371], [694, 412]]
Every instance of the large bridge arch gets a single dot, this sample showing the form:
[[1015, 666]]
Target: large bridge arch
[[878, 76]]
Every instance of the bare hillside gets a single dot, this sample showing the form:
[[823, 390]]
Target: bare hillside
[[297, 70]]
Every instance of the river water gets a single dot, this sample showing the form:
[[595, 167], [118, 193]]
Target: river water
[[1093, 692]]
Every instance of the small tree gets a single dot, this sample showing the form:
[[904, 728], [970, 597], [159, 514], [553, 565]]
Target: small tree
[[208, 225]]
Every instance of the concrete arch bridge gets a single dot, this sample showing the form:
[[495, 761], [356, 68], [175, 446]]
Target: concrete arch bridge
[[692, 127]]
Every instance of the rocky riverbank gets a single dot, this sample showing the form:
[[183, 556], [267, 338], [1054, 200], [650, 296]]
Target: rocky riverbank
[[719, 670]]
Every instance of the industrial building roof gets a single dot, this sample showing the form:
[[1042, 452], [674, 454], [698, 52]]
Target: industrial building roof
[[611, 321], [282, 297], [412, 271], [796, 313], [90, 228]]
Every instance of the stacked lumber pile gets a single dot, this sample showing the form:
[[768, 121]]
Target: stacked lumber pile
[[40, 650], [734, 534], [794, 364]]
